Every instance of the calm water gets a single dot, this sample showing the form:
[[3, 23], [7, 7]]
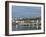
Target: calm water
[[24, 27]]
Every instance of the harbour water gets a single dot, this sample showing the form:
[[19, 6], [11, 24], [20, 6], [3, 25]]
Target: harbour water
[[24, 27]]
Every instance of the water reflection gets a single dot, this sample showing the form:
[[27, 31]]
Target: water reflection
[[24, 27]]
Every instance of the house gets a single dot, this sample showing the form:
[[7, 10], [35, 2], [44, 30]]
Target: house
[[27, 21]]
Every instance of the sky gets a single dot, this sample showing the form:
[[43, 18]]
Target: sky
[[25, 11]]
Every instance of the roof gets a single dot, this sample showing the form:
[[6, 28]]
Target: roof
[[37, 18]]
